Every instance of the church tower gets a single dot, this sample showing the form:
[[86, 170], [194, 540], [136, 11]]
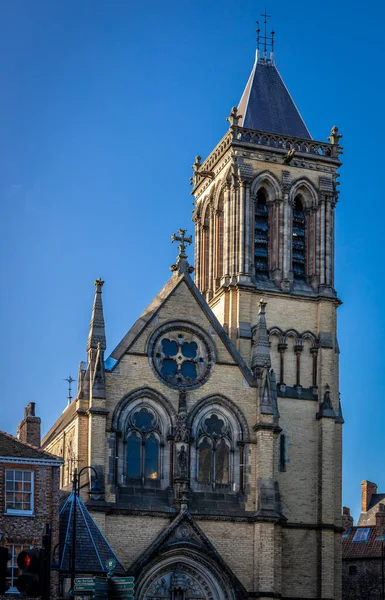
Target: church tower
[[265, 202]]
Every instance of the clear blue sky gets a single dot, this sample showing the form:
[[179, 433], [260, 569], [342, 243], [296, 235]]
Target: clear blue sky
[[103, 107]]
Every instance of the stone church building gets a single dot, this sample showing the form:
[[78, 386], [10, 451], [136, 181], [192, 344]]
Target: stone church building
[[215, 425]]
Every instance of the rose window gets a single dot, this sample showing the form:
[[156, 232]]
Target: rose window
[[181, 356]]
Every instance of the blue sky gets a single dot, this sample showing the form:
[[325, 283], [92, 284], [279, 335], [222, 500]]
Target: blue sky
[[104, 106]]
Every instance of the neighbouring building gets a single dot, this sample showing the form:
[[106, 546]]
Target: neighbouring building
[[29, 492], [363, 557], [215, 424]]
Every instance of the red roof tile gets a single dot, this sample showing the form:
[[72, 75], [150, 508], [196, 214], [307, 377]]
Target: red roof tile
[[12, 447], [369, 549]]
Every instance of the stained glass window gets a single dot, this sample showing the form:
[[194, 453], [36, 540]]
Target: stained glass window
[[261, 234], [205, 459], [142, 446], [299, 240], [214, 451], [143, 420], [133, 456], [151, 457], [222, 463]]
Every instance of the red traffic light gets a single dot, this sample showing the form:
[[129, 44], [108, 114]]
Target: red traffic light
[[29, 581], [29, 560]]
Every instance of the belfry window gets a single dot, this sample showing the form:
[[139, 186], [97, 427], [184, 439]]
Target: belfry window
[[261, 234], [299, 240], [213, 451], [142, 446]]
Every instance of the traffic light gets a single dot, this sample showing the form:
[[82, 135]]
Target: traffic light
[[29, 582], [4, 558]]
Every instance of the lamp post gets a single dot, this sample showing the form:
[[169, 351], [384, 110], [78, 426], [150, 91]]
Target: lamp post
[[95, 492]]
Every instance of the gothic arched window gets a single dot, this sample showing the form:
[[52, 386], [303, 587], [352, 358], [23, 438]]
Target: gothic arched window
[[299, 239], [213, 450], [142, 445], [261, 234]]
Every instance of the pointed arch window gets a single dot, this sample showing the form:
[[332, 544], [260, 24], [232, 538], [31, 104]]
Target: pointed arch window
[[261, 234], [213, 451], [143, 445], [299, 239]]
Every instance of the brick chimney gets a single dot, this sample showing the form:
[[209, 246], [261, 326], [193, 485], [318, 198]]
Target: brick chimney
[[380, 520], [347, 519], [29, 428], [367, 490]]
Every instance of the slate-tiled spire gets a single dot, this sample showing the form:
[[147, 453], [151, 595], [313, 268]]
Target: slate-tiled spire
[[266, 104], [92, 548], [97, 333]]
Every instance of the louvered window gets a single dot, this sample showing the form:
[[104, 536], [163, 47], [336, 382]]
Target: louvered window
[[299, 240], [261, 235]]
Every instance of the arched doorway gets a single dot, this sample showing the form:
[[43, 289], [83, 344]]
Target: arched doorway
[[183, 575]]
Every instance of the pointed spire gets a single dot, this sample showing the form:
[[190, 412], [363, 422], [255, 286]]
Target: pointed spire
[[99, 375], [339, 415], [266, 104], [260, 350], [97, 334], [326, 408], [181, 265], [268, 404]]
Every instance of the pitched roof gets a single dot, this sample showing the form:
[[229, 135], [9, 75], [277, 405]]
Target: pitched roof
[[371, 548], [92, 548], [153, 309], [266, 104], [369, 517], [12, 447], [65, 419]]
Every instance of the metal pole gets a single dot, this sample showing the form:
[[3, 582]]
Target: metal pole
[[47, 541], [382, 572], [73, 553]]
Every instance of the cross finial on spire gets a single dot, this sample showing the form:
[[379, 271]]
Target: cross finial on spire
[[70, 381], [99, 283], [181, 261], [265, 39], [183, 241]]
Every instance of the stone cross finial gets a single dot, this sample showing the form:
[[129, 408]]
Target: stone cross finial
[[234, 117], [99, 283], [181, 261], [183, 241]]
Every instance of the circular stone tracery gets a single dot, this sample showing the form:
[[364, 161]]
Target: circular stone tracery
[[181, 355]]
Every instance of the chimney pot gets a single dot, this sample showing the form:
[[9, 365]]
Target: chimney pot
[[29, 428], [347, 520], [368, 488]]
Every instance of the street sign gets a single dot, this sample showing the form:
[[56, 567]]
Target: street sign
[[122, 588], [84, 580], [123, 580]]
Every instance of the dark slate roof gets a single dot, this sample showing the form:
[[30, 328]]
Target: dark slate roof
[[62, 422], [354, 550], [369, 517], [12, 447], [266, 104], [92, 548]]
